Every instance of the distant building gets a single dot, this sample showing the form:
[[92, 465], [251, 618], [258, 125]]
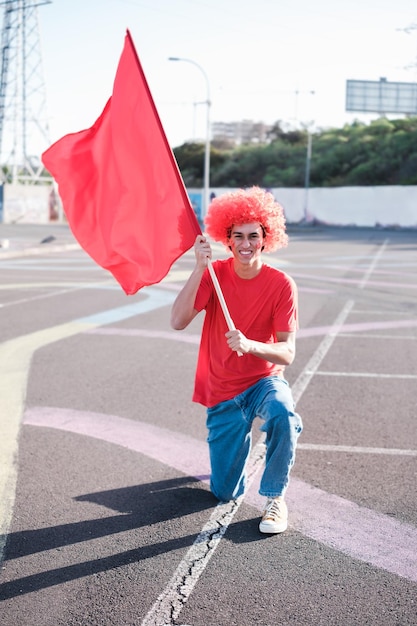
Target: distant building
[[243, 132]]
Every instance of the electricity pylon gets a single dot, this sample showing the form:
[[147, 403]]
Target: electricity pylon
[[24, 130]]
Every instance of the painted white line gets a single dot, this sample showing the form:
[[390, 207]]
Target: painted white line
[[41, 296], [50, 285], [320, 447], [171, 601], [365, 375], [58, 261], [374, 263], [177, 276], [68, 289], [313, 364], [13, 254]]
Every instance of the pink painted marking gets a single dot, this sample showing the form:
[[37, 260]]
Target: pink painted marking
[[353, 281], [349, 528], [169, 447], [315, 290], [151, 334], [360, 270], [302, 333], [357, 328], [342, 525]]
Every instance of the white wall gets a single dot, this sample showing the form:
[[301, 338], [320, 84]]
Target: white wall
[[340, 206], [26, 204], [345, 206], [365, 206]]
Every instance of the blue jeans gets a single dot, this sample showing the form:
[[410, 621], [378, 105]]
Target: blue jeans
[[229, 424]]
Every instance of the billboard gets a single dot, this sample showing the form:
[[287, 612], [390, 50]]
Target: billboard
[[367, 96]]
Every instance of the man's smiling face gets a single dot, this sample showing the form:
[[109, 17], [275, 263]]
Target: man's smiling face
[[246, 242]]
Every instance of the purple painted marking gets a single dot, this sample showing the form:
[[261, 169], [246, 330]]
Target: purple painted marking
[[302, 333], [357, 328], [349, 528], [168, 447], [352, 281], [343, 525], [360, 270], [315, 290], [153, 334]]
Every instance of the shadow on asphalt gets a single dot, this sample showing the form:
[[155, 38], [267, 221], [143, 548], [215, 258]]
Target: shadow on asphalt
[[141, 505], [138, 506]]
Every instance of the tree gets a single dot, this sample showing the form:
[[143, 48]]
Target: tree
[[383, 152]]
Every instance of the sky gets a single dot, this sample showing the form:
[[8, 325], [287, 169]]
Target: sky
[[265, 60]]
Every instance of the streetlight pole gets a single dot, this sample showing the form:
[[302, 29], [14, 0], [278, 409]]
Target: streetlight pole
[[207, 147], [307, 174], [308, 127]]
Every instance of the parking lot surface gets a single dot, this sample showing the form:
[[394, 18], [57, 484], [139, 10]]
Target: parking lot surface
[[106, 515]]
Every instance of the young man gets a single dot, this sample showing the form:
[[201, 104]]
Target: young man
[[262, 303]]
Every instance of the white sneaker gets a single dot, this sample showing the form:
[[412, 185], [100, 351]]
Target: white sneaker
[[275, 516]]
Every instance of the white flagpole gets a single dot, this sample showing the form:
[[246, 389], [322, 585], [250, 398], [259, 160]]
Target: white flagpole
[[222, 301]]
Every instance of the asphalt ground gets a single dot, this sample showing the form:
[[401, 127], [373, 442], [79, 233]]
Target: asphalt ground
[[105, 512]]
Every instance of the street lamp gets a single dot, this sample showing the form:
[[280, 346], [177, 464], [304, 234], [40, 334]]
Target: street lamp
[[207, 148]]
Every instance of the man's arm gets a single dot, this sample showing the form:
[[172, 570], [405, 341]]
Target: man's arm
[[281, 353], [183, 311]]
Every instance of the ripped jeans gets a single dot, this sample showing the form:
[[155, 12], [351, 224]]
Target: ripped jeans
[[229, 426]]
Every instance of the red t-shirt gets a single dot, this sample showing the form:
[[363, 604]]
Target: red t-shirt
[[259, 307]]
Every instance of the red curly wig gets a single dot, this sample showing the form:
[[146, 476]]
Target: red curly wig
[[244, 207]]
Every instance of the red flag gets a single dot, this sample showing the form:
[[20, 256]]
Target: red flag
[[120, 185]]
